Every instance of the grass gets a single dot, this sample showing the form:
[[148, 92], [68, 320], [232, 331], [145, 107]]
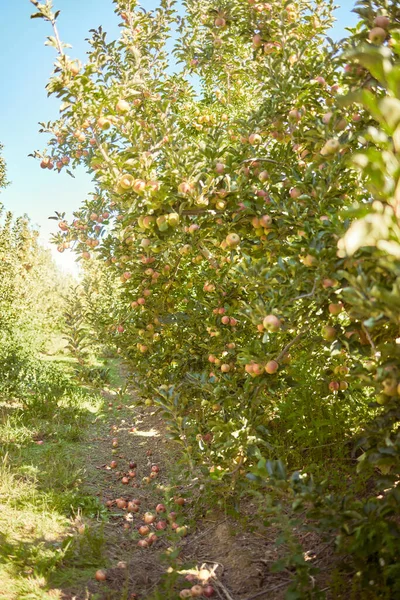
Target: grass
[[51, 526]]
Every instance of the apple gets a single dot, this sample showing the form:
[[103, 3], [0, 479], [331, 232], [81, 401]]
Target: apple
[[255, 139], [173, 219], [265, 221], [144, 530], [271, 367], [219, 22], [232, 240], [185, 594], [257, 41], [377, 35], [330, 147], [139, 186], [160, 508], [382, 399], [120, 503], [257, 369], [271, 323], [122, 106], [208, 591], [326, 118], [382, 22], [343, 385], [389, 387], [149, 518], [113, 464], [327, 283], [294, 115], [225, 320], [196, 591], [132, 507], [334, 386], [329, 333], [100, 575], [295, 192], [161, 525], [103, 123], [335, 309], [225, 368]]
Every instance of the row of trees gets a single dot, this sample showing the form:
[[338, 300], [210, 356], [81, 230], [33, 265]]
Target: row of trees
[[245, 232], [32, 306]]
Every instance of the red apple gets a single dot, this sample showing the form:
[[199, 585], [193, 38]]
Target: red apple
[[100, 575], [271, 367]]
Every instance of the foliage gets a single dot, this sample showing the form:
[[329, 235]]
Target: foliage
[[3, 181], [247, 214]]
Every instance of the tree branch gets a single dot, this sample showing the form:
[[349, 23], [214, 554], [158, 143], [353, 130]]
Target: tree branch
[[268, 160], [290, 344], [207, 254], [369, 338], [104, 154], [56, 35], [309, 295]]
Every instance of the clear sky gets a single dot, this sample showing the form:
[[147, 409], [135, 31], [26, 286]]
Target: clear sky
[[25, 66]]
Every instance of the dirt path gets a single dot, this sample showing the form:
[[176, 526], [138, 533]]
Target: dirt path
[[239, 557]]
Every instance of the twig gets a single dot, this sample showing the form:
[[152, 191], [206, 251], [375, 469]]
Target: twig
[[268, 160], [369, 338], [207, 254], [289, 345], [217, 583], [309, 295], [56, 35], [104, 154], [238, 467], [268, 590], [196, 211]]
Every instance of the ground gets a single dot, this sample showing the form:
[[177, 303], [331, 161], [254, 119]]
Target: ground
[[57, 529]]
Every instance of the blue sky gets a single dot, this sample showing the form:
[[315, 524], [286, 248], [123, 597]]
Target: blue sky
[[25, 66]]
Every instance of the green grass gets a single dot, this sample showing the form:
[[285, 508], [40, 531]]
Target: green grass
[[43, 501]]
